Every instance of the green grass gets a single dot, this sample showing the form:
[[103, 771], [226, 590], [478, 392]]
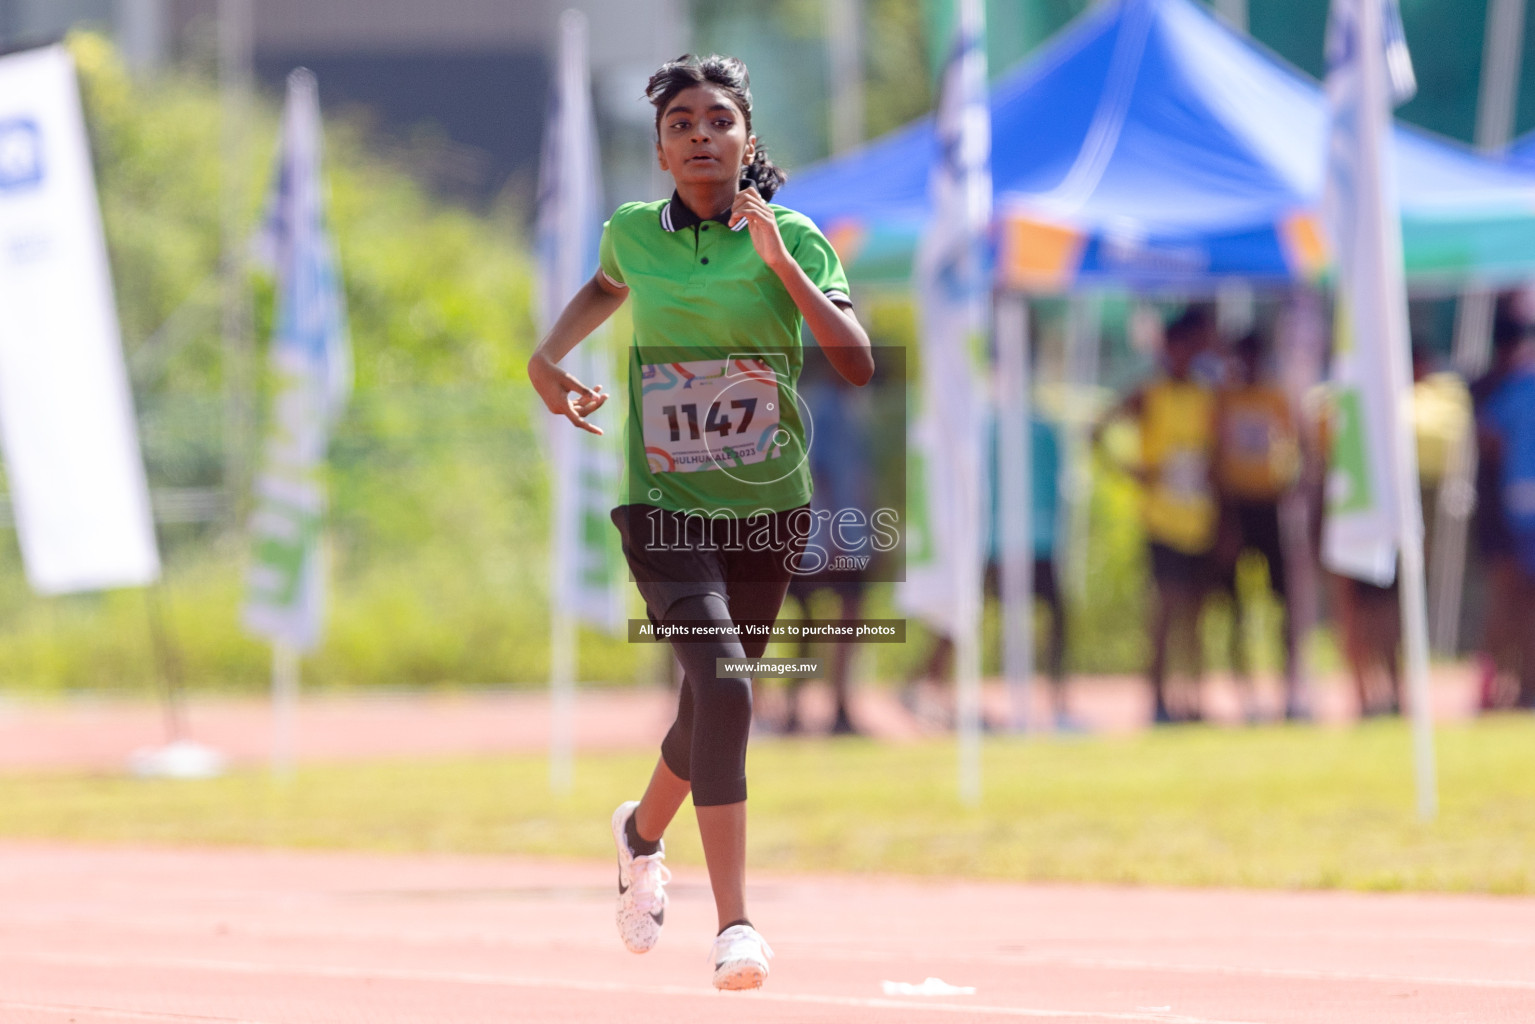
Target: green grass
[[1306, 808]]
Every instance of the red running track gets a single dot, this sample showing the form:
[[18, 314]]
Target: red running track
[[94, 935]]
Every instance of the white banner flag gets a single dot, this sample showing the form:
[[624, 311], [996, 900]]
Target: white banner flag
[[948, 479], [72, 458], [1375, 518], [1369, 72], [585, 467], [312, 369]]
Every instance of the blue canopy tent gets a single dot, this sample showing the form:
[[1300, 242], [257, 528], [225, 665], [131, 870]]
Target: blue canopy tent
[[1150, 147], [1521, 152]]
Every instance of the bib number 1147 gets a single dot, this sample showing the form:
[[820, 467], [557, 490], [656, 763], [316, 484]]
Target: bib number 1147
[[709, 414], [715, 423]]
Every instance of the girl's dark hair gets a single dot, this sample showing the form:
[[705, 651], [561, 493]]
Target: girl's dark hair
[[729, 74]]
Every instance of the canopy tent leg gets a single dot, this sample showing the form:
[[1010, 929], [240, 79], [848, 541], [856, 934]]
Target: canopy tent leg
[[1084, 346], [1015, 547], [1453, 507], [1235, 308], [1301, 343]]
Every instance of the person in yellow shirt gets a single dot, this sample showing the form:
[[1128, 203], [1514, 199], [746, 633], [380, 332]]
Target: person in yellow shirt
[[1176, 416], [1257, 462]]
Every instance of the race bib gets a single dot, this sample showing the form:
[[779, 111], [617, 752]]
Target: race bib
[[1251, 435], [1186, 475], [710, 414]]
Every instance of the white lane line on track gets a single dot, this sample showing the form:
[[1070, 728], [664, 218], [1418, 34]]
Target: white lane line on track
[[1118, 964], [1294, 973], [572, 985], [868, 956], [831, 952], [108, 1012]]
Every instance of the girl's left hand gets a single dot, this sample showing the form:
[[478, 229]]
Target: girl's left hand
[[751, 207]]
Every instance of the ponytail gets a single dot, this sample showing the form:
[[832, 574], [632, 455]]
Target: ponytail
[[767, 176]]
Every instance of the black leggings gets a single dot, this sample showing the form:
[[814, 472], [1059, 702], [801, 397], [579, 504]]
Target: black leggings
[[719, 572], [712, 755]]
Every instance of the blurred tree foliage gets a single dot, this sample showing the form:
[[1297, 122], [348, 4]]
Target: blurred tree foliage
[[437, 485], [436, 295]]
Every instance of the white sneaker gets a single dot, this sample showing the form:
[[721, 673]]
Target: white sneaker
[[641, 888], [740, 958]]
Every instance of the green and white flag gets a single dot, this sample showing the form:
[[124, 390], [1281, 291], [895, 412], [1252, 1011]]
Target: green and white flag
[[947, 480], [1369, 73], [585, 467], [312, 376]]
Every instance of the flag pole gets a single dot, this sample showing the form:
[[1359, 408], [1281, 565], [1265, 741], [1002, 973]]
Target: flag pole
[[844, 64], [943, 582], [169, 664], [1412, 590], [285, 681], [568, 202], [1415, 640], [561, 699], [311, 361], [235, 31], [974, 193]]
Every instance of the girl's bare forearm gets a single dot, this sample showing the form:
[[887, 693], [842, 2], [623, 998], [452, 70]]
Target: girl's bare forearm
[[840, 335]]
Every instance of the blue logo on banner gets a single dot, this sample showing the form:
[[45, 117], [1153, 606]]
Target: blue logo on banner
[[21, 154]]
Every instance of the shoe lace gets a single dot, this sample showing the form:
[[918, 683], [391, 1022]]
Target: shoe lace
[[648, 877], [724, 948]]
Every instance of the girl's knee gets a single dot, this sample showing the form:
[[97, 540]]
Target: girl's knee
[[725, 702]]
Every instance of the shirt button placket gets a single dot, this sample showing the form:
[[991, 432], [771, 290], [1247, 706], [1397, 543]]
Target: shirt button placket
[[701, 249]]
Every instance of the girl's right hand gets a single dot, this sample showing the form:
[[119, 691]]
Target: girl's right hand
[[555, 386]]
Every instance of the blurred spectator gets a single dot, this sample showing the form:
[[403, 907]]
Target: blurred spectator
[[1044, 520], [840, 466], [1441, 415], [1497, 660], [1370, 623], [1505, 522], [1441, 418], [1176, 416], [1369, 617], [1257, 462]]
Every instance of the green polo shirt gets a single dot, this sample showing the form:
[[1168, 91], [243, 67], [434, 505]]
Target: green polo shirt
[[714, 424]]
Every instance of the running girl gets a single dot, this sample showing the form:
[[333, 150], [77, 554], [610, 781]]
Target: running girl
[[718, 485]]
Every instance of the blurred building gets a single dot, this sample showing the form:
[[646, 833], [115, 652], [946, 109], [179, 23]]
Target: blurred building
[[461, 83]]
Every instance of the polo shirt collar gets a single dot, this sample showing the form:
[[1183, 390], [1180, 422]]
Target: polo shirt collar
[[677, 214]]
